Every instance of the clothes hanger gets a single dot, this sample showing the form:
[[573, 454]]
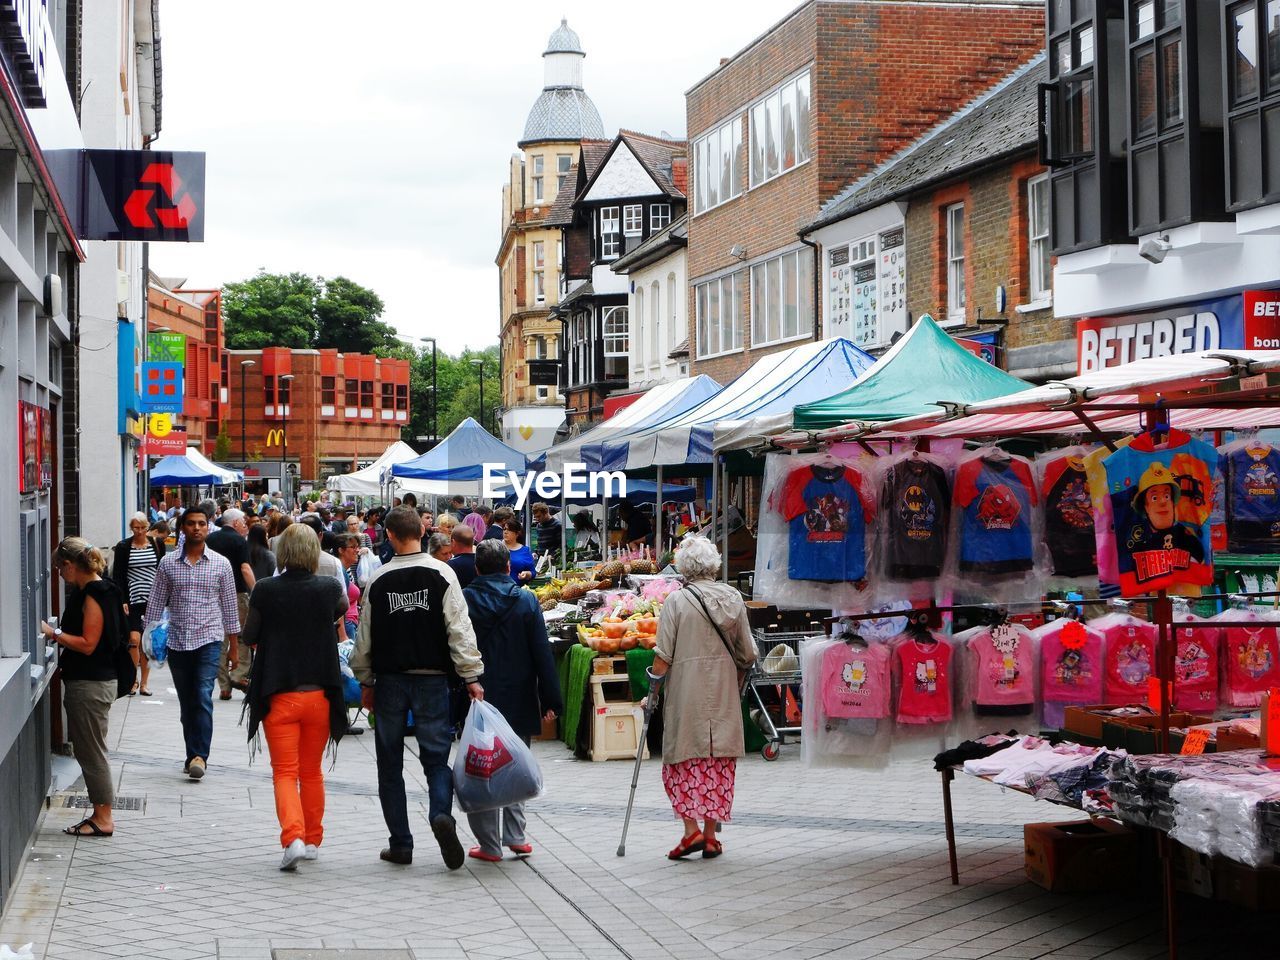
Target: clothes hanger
[[996, 455]]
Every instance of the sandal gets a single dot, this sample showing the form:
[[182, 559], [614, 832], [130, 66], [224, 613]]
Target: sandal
[[687, 845], [94, 829], [144, 691], [134, 691], [712, 850]]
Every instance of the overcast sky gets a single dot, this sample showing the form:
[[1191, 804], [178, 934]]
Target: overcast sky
[[372, 140]]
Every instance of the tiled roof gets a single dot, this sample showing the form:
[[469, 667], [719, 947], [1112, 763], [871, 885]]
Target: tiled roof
[[658, 155], [562, 113], [998, 123], [560, 213], [563, 40], [671, 237]]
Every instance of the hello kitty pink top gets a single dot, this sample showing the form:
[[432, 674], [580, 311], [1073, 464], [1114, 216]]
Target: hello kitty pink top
[[1004, 666], [856, 681], [924, 671]]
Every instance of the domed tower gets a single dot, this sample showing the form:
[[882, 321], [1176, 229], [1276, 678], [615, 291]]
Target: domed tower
[[561, 118]]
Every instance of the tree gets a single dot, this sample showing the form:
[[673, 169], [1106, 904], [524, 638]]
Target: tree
[[222, 444], [349, 318], [271, 310], [458, 389]]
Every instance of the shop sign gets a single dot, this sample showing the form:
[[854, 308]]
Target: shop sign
[[35, 447], [148, 195], [1103, 342], [167, 347], [24, 37], [162, 387], [544, 373], [1262, 319], [983, 349], [162, 445]]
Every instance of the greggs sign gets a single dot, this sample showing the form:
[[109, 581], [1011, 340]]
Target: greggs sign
[[1248, 321]]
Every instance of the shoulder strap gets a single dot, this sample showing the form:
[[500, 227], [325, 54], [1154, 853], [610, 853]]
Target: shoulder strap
[[707, 613]]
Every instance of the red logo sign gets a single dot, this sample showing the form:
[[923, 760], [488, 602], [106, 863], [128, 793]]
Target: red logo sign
[[174, 210], [482, 764], [1262, 319]]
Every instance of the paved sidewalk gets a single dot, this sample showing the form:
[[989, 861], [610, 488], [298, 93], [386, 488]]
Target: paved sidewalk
[[840, 864]]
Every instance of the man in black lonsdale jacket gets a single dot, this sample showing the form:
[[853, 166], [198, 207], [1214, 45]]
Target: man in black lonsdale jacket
[[414, 626]]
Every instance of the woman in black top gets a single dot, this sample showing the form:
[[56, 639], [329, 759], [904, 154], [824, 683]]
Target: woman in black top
[[134, 563], [295, 691], [92, 630], [261, 559]]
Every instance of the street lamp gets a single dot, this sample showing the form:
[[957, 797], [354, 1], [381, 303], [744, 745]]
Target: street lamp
[[284, 437], [244, 441], [479, 365], [435, 398]]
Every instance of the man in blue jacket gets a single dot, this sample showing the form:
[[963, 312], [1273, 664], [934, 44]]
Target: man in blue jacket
[[520, 678]]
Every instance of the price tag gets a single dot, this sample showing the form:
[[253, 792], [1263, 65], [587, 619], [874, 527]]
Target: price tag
[[1074, 636], [1195, 741]]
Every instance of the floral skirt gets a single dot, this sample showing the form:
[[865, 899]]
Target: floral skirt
[[701, 788]]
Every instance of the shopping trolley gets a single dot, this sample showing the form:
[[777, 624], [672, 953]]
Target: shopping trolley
[[774, 673]]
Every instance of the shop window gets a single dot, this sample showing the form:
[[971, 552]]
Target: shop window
[[719, 316]]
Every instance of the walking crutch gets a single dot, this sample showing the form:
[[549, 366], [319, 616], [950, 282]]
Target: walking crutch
[[651, 703]]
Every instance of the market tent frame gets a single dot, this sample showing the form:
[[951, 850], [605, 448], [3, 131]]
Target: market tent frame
[[369, 481]]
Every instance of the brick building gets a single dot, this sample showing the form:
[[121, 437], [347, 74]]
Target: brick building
[[779, 128], [956, 225], [321, 411], [197, 315]]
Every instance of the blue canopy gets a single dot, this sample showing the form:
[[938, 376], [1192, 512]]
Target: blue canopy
[[462, 456], [191, 470]]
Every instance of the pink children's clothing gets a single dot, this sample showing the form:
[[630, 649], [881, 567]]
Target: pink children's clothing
[[924, 669], [1130, 660], [1070, 673], [856, 681], [1252, 662], [1004, 667], [1195, 669]]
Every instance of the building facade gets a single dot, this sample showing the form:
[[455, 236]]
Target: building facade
[[1165, 180], [955, 226], [657, 273], [631, 194], [197, 315], [799, 114], [529, 255], [297, 417]]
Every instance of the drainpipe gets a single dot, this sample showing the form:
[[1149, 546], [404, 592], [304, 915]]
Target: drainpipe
[[817, 280]]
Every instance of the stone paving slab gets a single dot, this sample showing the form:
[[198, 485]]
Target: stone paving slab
[[842, 863]]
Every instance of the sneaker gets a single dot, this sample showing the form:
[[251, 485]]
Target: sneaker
[[311, 853], [446, 831], [392, 855], [196, 768], [292, 854]]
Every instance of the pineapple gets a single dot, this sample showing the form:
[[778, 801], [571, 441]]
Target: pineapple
[[611, 570], [643, 565]]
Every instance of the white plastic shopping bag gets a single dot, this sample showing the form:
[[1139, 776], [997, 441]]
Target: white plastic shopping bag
[[366, 567], [494, 768]]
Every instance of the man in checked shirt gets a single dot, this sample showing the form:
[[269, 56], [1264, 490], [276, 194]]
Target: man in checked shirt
[[198, 588]]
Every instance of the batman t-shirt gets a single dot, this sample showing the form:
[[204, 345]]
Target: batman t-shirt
[[916, 507]]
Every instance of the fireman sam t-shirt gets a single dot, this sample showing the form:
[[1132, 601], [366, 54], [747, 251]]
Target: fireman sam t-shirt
[[827, 517]]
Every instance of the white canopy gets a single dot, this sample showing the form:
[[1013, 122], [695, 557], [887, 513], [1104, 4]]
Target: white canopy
[[203, 462], [367, 481]]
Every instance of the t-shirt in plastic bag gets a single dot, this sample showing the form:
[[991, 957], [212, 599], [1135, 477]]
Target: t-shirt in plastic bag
[[494, 768]]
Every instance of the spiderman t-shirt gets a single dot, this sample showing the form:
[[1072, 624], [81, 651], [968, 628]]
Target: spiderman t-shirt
[[1068, 518], [827, 516], [995, 497]]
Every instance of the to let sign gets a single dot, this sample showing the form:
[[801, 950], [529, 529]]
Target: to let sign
[[167, 347]]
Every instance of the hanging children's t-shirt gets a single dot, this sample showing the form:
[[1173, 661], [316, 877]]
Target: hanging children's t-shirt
[[856, 681], [995, 496], [1195, 668], [1251, 660], [1003, 668], [917, 502], [1070, 663], [1161, 501], [828, 517], [1130, 659], [924, 691], [1252, 478], [1068, 518]]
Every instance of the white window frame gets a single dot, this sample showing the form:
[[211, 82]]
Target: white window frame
[[652, 359], [610, 240], [637, 361], [659, 216], [563, 162], [539, 258], [537, 180], [801, 291], [766, 111], [724, 141], [1039, 265], [955, 264], [633, 220], [711, 342], [612, 317]]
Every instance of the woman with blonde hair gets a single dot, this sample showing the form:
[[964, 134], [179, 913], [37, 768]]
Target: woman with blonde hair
[[445, 524], [704, 648], [92, 630], [134, 563], [295, 691]]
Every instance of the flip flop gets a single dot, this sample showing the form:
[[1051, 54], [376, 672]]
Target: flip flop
[[144, 691], [94, 829]]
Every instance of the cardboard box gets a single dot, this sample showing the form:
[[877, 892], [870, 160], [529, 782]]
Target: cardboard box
[[1141, 735], [1257, 888], [1086, 719], [1234, 739], [1081, 857], [1193, 872]]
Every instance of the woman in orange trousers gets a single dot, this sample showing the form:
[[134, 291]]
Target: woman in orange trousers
[[295, 692]]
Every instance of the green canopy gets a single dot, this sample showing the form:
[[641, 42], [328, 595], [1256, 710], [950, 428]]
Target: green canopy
[[925, 366]]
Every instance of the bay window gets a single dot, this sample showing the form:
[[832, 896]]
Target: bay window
[[1252, 33]]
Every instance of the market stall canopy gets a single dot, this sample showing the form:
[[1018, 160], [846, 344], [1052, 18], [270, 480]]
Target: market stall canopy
[[1108, 400], [774, 384], [456, 464], [192, 469], [367, 481], [663, 402]]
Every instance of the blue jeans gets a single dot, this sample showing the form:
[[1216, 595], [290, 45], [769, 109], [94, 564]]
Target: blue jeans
[[194, 674], [394, 696]]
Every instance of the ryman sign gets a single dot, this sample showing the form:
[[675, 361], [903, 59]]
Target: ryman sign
[[1248, 321]]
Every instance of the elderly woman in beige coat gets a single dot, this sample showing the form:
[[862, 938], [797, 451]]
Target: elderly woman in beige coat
[[704, 646]]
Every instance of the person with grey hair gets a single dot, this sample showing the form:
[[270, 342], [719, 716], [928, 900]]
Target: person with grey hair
[[704, 649], [440, 546], [520, 679], [232, 541]]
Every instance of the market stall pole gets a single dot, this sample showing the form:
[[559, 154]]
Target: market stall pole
[[657, 520]]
